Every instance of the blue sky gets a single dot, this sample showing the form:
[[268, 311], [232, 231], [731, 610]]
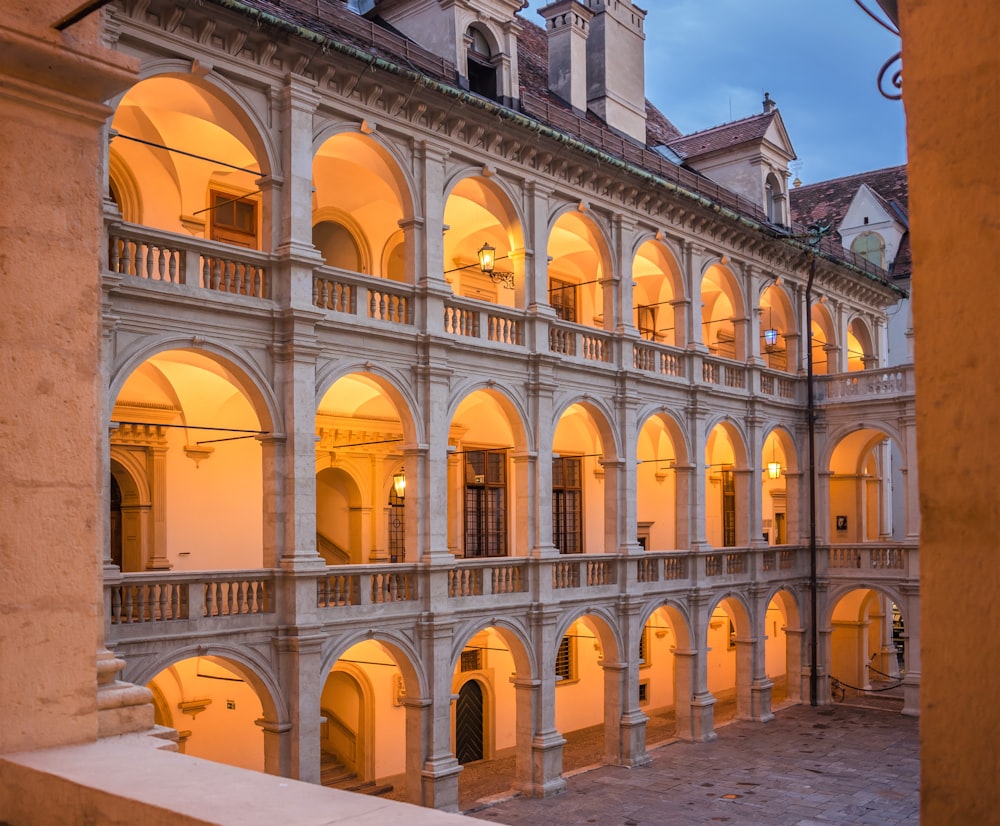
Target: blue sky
[[710, 61]]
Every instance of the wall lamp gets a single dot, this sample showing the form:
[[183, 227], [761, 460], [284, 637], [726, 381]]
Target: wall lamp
[[770, 334], [399, 485], [487, 261]]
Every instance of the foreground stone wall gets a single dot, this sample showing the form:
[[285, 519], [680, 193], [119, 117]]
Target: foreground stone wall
[[952, 97], [51, 527]]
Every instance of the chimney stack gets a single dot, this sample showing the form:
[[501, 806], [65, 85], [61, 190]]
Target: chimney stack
[[616, 74], [769, 105], [567, 24]]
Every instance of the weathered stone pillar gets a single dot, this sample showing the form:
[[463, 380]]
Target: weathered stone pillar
[[277, 746], [547, 743], [440, 769], [299, 668]]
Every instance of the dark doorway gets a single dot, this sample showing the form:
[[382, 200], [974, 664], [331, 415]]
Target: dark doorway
[[116, 523], [469, 723]]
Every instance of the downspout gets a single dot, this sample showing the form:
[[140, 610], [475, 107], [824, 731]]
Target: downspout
[[816, 233]]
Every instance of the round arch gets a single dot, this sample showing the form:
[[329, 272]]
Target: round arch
[[579, 252], [238, 368], [657, 292], [723, 311], [253, 668]]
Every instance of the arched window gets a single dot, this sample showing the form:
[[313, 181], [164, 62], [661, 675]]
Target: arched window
[[482, 70], [871, 246], [773, 200]]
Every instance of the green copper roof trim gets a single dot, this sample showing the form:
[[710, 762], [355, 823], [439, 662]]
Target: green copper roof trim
[[533, 125]]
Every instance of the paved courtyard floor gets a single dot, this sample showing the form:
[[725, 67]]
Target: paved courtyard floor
[[839, 764]]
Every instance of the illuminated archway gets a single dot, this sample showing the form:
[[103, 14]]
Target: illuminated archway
[[196, 157], [582, 494], [578, 264], [864, 474], [657, 295], [363, 426], [725, 487], [824, 341], [778, 341], [479, 211], [193, 418], [723, 315], [484, 480], [360, 198], [660, 450]]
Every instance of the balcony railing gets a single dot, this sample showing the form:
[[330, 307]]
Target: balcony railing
[[154, 256], [148, 606], [868, 385]]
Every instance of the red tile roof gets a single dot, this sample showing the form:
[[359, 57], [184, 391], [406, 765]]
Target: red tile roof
[[828, 201], [723, 136]]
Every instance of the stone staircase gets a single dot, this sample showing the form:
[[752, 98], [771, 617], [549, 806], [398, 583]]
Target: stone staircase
[[334, 774]]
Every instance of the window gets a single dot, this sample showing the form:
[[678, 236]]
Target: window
[[644, 648], [472, 659], [871, 246], [644, 692], [645, 320], [485, 503], [481, 67], [562, 297], [565, 661], [728, 508], [567, 504], [234, 219], [397, 523]]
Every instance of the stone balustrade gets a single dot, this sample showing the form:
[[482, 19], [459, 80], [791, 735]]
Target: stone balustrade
[[146, 606]]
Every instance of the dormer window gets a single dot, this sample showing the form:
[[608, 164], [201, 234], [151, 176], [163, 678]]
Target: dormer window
[[482, 70], [774, 200], [870, 245]]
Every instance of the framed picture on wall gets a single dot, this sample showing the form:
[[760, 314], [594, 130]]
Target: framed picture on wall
[[841, 522]]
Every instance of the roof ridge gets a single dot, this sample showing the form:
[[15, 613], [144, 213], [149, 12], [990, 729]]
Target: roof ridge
[[867, 174], [728, 124]]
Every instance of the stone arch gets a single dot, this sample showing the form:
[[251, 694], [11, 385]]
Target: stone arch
[[825, 341], [402, 649], [389, 382], [508, 401], [331, 225], [600, 414], [861, 350], [481, 209], [124, 188], [777, 315], [658, 292], [661, 483], [361, 184], [580, 260], [241, 369], [228, 132], [254, 669], [723, 317]]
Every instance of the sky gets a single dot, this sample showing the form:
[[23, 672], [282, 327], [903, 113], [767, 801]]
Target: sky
[[710, 62]]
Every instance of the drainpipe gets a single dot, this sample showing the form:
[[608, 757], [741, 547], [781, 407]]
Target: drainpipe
[[816, 233]]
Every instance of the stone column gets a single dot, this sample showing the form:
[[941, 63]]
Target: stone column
[[432, 511], [540, 390], [626, 508], [696, 413], [299, 668], [547, 743], [440, 769], [627, 744], [158, 560], [693, 703], [796, 666], [277, 746]]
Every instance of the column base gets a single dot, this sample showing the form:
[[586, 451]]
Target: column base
[[439, 784], [911, 694]]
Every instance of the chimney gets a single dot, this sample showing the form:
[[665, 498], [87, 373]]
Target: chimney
[[567, 24], [616, 74], [769, 105]]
